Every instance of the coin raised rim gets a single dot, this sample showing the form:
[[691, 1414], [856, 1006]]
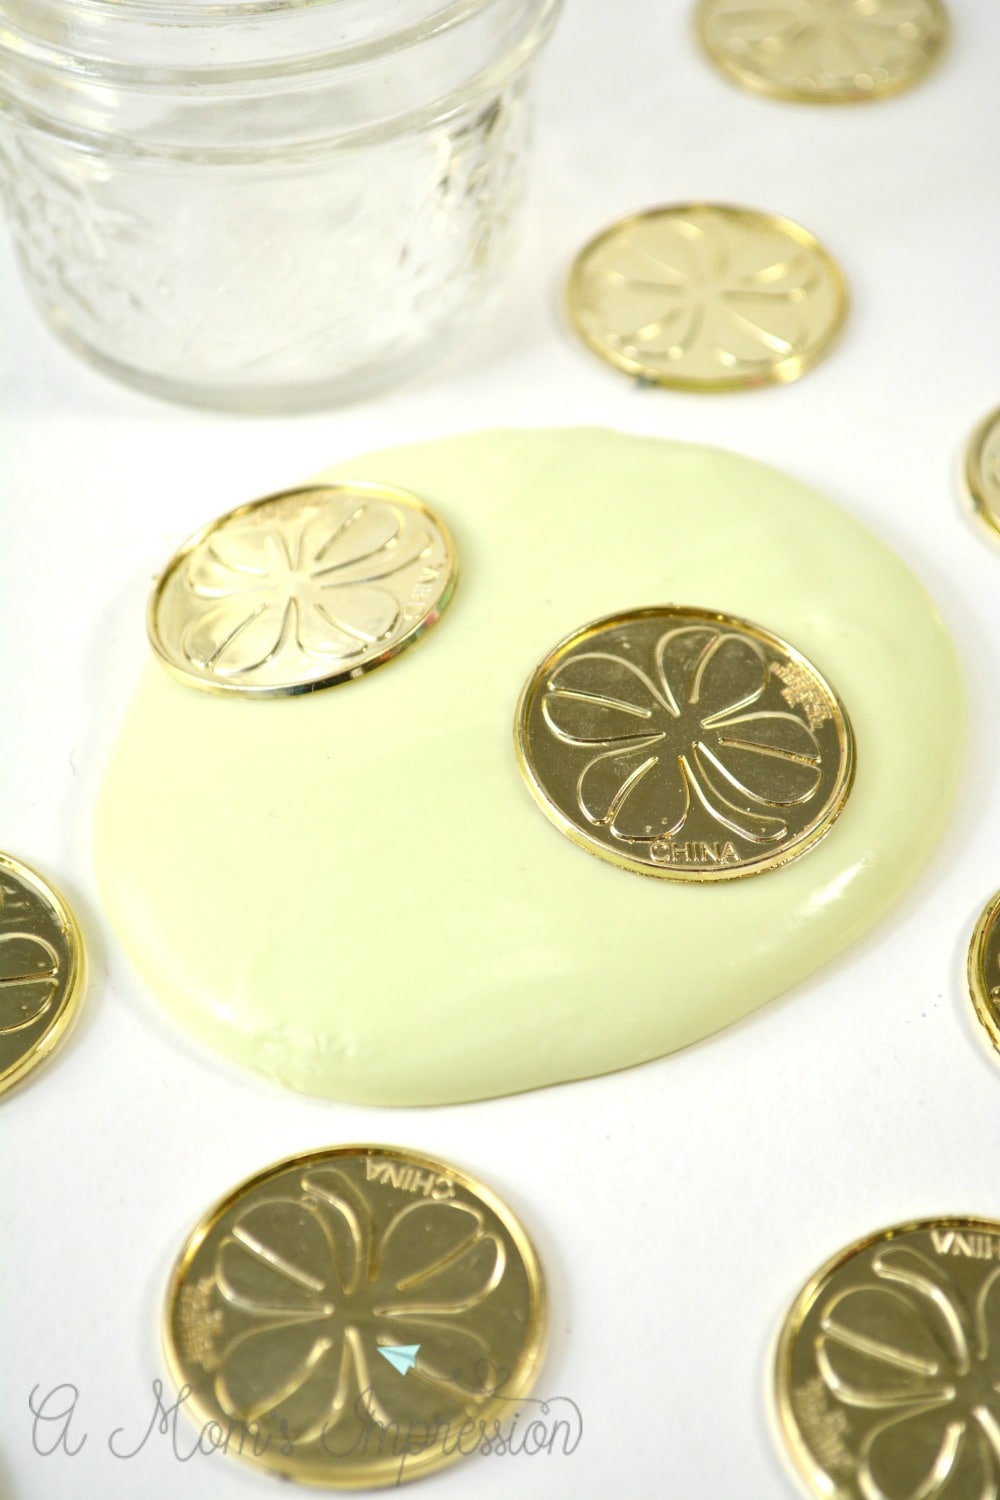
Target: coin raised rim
[[759, 83], [975, 975], [791, 368], [66, 1016], [393, 495], [520, 1380], [794, 1446], [689, 873], [972, 475]]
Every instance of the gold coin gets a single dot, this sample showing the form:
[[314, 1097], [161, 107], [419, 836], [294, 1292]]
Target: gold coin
[[683, 743], [888, 1366], [706, 297], [982, 471], [302, 590], [984, 969], [355, 1317], [42, 970], [824, 51]]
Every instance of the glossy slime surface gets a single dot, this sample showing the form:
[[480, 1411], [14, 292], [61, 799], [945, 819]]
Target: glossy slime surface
[[354, 894]]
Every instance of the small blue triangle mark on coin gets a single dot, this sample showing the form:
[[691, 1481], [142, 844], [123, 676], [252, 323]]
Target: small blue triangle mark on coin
[[402, 1357]]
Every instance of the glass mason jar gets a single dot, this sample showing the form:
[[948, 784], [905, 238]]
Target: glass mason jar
[[264, 204]]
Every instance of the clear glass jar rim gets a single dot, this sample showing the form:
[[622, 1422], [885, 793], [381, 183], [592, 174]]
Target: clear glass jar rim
[[316, 74], [210, 9], [84, 36], [186, 12]]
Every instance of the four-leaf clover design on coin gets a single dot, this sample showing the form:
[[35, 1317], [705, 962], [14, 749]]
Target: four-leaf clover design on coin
[[686, 734], [707, 296], [314, 1287], [29, 976], [826, 49], [317, 578], [908, 1350], [42, 970]]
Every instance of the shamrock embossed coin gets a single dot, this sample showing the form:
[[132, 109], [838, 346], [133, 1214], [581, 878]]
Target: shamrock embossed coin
[[302, 590], [356, 1317], [706, 297], [41, 970], [984, 969], [888, 1366], [683, 743], [824, 51], [982, 471]]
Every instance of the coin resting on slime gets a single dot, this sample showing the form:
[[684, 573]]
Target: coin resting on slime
[[302, 590], [684, 743], [354, 892]]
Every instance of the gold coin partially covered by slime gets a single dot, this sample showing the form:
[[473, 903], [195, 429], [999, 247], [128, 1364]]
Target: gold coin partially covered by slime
[[888, 1366], [356, 1317], [42, 970], [824, 51], [706, 297], [684, 743], [353, 893], [302, 590], [982, 471]]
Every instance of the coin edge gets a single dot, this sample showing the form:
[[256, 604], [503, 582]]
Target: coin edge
[[973, 489], [975, 976], [55, 1035]]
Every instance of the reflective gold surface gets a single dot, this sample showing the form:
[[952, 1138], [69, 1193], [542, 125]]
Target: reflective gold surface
[[984, 969], [982, 471], [288, 1291], [42, 970], [683, 743], [707, 297], [888, 1366], [824, 51], [302, 590]]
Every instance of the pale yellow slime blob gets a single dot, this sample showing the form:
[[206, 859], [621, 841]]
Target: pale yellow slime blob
[[353, 892]]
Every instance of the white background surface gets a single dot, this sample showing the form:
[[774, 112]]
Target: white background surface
[[678, 1207]]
